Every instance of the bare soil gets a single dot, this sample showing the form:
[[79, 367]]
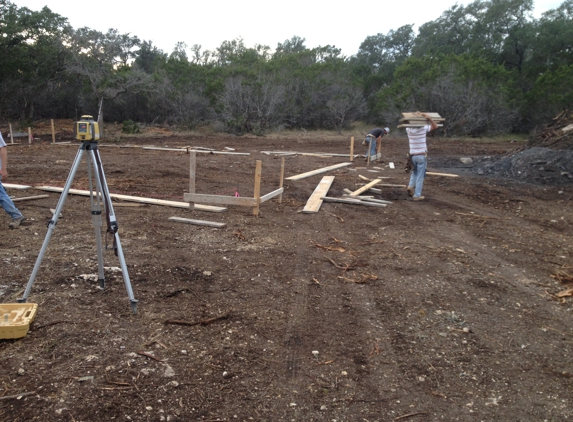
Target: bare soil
[[443, 309]]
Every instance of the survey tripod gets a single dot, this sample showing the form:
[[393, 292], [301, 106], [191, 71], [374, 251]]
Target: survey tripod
[[100, 195]]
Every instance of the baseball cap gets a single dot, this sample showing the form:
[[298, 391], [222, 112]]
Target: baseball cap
[[387, 130]]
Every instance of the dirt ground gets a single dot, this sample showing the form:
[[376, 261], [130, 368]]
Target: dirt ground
[[444, 309]]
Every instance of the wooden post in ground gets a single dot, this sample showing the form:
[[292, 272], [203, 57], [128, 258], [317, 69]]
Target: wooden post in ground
[[379, 149], [192, 169], [53, 131], [282, 179], [257, 190], [352, 148], [29, 135], [11, 135]]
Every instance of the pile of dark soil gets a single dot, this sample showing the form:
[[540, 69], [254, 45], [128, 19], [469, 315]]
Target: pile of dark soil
[[537, 165]]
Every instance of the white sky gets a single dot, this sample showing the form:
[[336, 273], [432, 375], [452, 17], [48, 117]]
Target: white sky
[[210, 22]]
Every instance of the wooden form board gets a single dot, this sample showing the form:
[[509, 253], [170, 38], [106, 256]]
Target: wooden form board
[[141, 200], [229, 200], [318, 171], [365, 187], [254, 202], [197, 222], [315, 201]]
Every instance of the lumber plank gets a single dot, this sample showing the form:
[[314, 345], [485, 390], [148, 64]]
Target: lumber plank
[[197, 222], [29, 198], [352, 201], [142, 200], [315, 201], [318, 171], [219, 199], [433, 173], [365, 187], [15, 186], [415, 125], [272, 194]]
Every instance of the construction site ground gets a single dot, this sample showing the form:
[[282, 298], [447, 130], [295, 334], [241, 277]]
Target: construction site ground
[[456, 308]]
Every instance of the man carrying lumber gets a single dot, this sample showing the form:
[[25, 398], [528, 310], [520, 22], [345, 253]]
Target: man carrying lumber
[[418, 156], [5, 201], [373, 140]]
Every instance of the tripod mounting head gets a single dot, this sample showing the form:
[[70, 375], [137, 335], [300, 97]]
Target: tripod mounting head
[[86, 129]]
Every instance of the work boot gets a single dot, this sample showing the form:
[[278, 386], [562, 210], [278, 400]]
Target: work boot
[[410, 191], [16, 222], [419, 198]]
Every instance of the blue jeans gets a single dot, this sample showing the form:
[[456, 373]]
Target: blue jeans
[[7, 204], [371, 141], [418, 174]]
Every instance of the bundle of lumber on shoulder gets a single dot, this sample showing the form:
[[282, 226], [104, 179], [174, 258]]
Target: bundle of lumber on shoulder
[[415, 120]]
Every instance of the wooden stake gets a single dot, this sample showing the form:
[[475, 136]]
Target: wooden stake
[[11, 135], [53, 131], [29, 135], [192, 170], [352, 148], [282, 179], [257, 190]]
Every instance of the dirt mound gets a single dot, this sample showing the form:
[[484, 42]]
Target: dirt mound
[[558, 134]]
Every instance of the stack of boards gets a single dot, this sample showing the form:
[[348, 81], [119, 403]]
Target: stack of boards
[[414, 120]]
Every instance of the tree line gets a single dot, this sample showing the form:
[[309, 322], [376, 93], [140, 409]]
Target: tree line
[[488, 67]]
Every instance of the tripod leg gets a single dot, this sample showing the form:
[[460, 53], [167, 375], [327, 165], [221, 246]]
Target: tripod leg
[[96, 218], [113, 227], [52, 223]]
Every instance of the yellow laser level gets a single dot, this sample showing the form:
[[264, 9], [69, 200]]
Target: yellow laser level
[[87, 129]]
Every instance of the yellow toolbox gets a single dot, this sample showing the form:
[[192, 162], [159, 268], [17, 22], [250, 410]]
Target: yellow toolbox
[[15, 319]]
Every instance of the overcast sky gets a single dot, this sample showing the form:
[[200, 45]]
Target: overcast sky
[[208, 23]]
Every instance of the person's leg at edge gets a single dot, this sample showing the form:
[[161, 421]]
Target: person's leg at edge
[[8, 205], [413, 175], [420, 163]]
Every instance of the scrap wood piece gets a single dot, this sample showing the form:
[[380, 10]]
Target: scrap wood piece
[[409, 415], [433, 173], [562, 276], [197, 222], [17, 396], [151, 201], [364, 278], [29, 198], [329, 248], [565, 293], [318, 171], [344, 267], [149, 355], [352, 201], [315, 201], [202, 322], [365, 187]]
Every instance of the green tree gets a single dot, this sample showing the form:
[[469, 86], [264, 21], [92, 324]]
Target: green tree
[[475, 96], [32, 65], [104, 61]]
